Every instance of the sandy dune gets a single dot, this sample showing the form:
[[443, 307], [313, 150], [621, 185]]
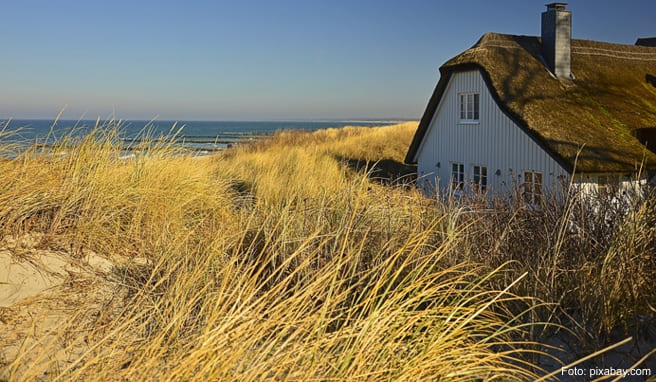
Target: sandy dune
[[44, 293], [26, 271]]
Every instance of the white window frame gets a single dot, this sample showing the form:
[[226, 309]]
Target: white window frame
[[532, 186], [469, 107], [479, 184], [457, 176]]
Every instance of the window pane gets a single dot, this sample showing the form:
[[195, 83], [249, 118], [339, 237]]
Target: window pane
[[476, 179], [461, 177], [455, 184], [470, 110], [476, 113], [462, 106], [528, 187]]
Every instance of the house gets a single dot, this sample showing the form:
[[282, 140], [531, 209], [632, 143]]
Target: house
[[535, 111]]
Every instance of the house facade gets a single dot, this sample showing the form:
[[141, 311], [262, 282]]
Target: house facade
[[477, 144], [529, 112]]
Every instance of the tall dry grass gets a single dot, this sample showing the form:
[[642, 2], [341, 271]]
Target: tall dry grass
[[593, 255], [274, 261], [300, 257]]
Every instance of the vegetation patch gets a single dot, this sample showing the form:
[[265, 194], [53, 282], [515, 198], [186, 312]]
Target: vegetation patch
[[281, 260]]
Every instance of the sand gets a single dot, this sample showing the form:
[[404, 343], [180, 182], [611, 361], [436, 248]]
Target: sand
[[26, 271], [47, 294]]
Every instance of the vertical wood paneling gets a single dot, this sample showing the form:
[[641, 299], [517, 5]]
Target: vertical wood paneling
[[495, 142]]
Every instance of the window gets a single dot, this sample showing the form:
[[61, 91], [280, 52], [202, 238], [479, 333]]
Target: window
[[607, 185], [469, 107], [457, 176], [532, 186], [480, 178]]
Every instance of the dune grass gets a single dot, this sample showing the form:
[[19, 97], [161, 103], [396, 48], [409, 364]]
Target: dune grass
[[286, 260]]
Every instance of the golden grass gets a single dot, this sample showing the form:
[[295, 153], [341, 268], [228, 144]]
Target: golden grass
[[277, 260]]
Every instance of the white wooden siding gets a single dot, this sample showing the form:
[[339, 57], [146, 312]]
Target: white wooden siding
[[495, 142]]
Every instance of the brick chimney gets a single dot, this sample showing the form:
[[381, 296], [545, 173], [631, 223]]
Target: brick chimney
[[557, 39]]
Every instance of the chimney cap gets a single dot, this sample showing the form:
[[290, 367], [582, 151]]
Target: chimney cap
[[557, 6]]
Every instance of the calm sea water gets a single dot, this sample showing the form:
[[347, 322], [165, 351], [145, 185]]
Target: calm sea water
[[196, 135]]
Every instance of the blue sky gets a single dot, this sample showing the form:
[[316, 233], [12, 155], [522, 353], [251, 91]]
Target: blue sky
[[259, 60]]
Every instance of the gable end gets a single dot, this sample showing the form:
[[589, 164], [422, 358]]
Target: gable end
[[436, 98]]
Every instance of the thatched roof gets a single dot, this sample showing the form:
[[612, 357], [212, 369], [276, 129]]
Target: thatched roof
[[612, 95]]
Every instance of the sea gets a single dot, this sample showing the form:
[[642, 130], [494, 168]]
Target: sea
[[200, 136]]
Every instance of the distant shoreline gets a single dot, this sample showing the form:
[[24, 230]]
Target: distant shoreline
[[179, 121], [191, 135]]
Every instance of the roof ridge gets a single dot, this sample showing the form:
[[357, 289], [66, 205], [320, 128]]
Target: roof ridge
[[611, 50], [592, 51], [489, 37]]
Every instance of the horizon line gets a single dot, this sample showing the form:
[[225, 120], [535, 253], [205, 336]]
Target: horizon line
[[353, 120]]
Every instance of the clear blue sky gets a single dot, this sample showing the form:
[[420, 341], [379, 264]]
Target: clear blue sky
[[259, 60]]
